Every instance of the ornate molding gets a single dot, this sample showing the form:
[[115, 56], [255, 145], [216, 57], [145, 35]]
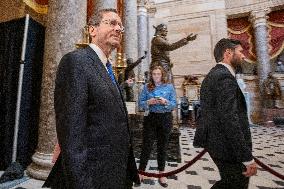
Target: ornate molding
[[245, 10]]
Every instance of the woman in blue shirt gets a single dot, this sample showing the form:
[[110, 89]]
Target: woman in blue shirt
[[158, 99]]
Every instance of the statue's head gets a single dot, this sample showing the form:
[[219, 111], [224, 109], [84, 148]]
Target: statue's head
[[129, 61], [161, 29]]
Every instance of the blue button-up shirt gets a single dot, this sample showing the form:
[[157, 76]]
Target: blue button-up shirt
[[166, 91]]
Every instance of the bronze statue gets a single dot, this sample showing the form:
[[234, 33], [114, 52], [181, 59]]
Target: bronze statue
[[272, 91], [126, 79], [160, 48]]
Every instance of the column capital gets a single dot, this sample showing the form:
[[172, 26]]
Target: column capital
[[142, 10], [259, 17], [151, 7], [141, 2]]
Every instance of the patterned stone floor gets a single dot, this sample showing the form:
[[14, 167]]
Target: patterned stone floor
[[268, 147]]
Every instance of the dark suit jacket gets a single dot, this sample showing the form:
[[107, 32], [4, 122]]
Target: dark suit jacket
[[92, 127], [223, 127]]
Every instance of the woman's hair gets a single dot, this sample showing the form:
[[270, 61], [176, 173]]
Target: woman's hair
[[151, 85]]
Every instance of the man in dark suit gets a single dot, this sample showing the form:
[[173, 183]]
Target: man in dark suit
[[91, 117], [223, 127]]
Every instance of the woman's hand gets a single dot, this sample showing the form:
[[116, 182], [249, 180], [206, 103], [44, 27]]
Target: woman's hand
[[152, 101], [162, 101]]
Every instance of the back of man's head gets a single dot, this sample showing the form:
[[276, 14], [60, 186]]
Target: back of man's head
[[222, 46]]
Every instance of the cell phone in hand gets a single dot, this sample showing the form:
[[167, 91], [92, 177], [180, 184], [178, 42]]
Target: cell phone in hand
[[157, 97]]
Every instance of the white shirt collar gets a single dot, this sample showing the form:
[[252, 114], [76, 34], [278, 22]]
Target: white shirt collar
[[100, 53], [230, 68]]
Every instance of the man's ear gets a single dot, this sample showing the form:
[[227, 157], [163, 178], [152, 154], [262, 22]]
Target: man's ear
[[93, 31], [229, 51]]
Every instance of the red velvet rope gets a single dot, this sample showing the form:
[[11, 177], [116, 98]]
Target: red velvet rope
[[268, 169], [190, 163], [156, 175]]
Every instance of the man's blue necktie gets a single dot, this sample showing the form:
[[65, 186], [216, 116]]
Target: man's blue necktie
[[110, 72]]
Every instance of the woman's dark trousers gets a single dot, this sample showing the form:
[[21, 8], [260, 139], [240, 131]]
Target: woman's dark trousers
[[157, 126]]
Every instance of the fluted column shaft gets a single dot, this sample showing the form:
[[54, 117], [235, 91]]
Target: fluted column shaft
[[66, 20], [259, 21], [142, 37], [130, 34], [151, 31]]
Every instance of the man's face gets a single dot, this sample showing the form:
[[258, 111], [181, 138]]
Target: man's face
[[108, 32], [164, 32], [237, 57], [129, 61]]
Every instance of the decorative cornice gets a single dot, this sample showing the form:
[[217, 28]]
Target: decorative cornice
[[245, 10]]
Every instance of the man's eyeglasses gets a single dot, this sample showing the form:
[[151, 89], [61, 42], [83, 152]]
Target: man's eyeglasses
[[113, 23]]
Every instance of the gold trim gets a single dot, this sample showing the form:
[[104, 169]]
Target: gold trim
[[250, 61], [275, 24], [269, 39], [250, 48], [274, 55], [239, 32], [42, 9]]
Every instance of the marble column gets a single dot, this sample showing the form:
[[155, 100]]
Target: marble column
[[130, 34], [151, 22], [259, 21], [66, 20], [105, 4], [142, 37]]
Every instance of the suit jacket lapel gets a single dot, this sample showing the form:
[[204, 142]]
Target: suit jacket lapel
[[104, 74]]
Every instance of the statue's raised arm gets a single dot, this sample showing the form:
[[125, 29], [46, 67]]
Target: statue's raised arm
[[160, 48]]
